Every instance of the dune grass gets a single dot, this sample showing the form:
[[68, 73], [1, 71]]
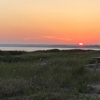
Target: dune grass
[[64, 77]]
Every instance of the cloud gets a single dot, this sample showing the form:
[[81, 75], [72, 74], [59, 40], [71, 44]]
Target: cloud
[[50, 37], [56, 38]]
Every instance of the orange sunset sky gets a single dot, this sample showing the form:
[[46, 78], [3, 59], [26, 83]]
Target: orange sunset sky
[[50, 21]]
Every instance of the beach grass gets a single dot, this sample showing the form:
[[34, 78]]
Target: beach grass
[[63, 76]]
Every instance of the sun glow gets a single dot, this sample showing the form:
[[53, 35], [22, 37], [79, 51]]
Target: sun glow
[[80, 44]]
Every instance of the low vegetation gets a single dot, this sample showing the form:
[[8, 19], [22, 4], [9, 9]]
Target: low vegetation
[[60, 75]]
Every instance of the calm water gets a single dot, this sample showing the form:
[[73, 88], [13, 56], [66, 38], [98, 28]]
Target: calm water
[[43, 48], [24, 48]]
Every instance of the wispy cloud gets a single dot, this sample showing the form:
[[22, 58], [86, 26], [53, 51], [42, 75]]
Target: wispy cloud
[[50, 37], [56, 38]]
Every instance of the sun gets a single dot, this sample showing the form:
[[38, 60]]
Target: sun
[[80, 44]]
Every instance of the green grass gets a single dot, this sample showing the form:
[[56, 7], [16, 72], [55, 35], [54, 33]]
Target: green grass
[[64, 77]]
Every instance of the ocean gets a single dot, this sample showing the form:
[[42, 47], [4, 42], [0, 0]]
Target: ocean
[[35, 47]]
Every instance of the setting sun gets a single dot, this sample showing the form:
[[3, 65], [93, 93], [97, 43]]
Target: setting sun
[[80, 43]]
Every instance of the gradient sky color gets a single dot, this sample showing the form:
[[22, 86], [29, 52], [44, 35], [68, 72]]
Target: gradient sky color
[[50, 21]]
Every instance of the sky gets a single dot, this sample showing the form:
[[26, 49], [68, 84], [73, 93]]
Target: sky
[[50, 21]]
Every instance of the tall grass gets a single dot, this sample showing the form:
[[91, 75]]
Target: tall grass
[[65, 73]]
